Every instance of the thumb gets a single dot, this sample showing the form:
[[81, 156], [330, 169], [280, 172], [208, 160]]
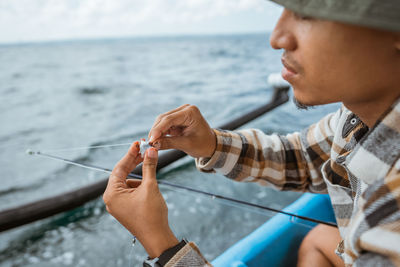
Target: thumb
[[150, 166]]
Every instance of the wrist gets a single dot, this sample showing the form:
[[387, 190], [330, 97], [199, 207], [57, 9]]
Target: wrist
[[158, 243], [213, 144], [165, 257]]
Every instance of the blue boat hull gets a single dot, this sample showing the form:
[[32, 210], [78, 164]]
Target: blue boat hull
[[276, 242]]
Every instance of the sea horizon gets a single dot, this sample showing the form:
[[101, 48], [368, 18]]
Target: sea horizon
[[130, 37]]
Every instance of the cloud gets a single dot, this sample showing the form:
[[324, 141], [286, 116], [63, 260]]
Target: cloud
[[53, 19]]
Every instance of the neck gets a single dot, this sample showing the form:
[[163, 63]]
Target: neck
[[370, 111]]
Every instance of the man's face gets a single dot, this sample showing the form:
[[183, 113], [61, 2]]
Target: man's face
[[329, 62]]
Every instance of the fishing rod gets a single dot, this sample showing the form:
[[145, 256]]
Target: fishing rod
[[190, 189], [49, 206]]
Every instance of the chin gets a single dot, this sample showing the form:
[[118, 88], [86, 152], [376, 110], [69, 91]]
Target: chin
[[303, 98], [308, 98]]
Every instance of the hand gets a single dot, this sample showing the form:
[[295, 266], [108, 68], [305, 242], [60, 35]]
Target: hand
[[184, 128], [138, 204]]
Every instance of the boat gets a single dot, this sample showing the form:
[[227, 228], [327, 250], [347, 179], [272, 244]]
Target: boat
[[276, 242]]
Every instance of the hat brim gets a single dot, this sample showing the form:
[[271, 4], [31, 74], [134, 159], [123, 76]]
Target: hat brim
[[380, 14]]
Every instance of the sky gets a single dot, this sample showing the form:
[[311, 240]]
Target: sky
[[45, 20]]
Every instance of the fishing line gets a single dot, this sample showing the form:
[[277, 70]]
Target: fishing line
[[84, 147], [242, 207], [245, 203], [71, 162], [221, 201], [182, 187]]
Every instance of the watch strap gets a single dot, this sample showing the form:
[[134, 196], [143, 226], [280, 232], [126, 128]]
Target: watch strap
[[151, 262], [169, 253]]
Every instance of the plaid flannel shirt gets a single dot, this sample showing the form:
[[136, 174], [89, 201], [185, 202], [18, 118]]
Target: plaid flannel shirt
[[339, 155]]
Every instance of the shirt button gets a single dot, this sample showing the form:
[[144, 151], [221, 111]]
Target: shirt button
[[353, 121], [340, 159]]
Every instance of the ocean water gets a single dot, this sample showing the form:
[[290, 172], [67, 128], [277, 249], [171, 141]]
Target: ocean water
[[64, 95]]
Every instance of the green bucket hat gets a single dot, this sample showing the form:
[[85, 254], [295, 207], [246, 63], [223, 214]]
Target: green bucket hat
[[381, 14]]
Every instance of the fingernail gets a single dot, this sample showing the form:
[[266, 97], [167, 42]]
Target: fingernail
[[157, 145], [152, 153]]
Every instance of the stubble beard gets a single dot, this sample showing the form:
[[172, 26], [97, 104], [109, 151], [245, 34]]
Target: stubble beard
[[301, 105]]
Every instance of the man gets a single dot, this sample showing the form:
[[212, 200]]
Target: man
[[334, 51]]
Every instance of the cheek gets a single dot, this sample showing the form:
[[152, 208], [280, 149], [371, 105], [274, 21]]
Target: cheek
[[343, 63], [327, 70], [314, 85], [324, 63]]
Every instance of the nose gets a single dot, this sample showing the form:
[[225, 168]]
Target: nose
[[282, 36]]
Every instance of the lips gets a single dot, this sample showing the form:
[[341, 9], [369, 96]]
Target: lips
[[288, 66], [289, 73]]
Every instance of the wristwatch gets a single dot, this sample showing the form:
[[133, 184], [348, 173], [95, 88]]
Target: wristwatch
[[151, 262], [165, 256]]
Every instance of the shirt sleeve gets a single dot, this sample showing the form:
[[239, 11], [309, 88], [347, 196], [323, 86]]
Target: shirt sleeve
[[189, 255], [373, 237], [290, 162]]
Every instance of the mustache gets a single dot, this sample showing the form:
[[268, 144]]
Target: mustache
[[292, 62]]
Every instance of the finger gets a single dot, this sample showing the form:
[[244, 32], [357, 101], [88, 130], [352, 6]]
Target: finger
[[172, 132], [173, 142], [158, 119], [150, 166], [133, 183], [175, 131], [177, 109], [177, 119], [151, 135], [125, 165]]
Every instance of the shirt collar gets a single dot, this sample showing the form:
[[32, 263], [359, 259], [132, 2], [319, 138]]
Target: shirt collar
[[378, 149]]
